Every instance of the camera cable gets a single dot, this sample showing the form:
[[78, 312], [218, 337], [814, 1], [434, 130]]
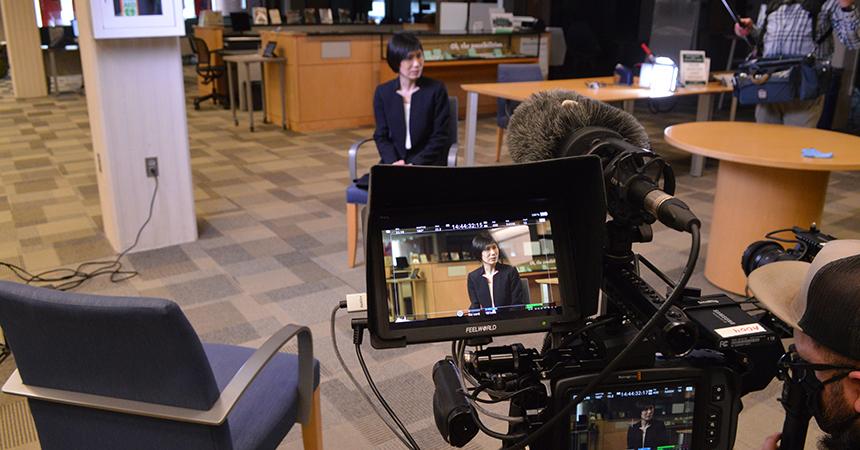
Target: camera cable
[[71, 278], [358, 387], [358, 332], [610, 367]]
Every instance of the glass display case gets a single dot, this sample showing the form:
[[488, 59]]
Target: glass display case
[[114, 19]]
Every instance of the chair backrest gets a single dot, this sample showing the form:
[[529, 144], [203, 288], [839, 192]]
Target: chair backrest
[[509, 73], [140, 349], [453, 128], [202, 50]]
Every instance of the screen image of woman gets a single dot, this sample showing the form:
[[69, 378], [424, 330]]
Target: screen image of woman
[[493, 284]]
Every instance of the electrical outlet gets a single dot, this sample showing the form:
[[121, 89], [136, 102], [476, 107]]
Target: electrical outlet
[[152, 167]]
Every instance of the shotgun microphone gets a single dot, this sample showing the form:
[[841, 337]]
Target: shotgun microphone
[[639, 183]]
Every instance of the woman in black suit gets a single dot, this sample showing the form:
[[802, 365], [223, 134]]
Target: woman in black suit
[[411, 110], [493, 284]]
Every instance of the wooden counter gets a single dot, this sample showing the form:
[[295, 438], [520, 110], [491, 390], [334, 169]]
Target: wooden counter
[[331, 78]]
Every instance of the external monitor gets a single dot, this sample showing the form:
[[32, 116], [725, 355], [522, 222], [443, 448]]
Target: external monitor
[[240, 22], [437, 237]]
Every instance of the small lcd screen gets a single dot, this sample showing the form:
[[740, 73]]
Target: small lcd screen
[[490, 269], [657, 417]]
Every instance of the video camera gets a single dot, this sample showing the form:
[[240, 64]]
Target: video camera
[[558, 267]]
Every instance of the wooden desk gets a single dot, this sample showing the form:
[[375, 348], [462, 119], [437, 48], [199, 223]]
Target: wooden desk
[[247, 60], [763, 183], [608, 93], [54, 75]]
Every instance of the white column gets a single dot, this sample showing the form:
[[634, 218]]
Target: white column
[[22, 44], [136, 106]]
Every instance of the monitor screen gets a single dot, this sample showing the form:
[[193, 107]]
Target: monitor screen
[[492, 268], [240, 21], [653, 417]]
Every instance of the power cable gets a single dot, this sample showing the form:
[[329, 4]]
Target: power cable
[[72, 278], [349, 374]]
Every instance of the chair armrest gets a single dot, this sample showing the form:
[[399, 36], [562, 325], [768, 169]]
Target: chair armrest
[[452, 155], [353, 154], [217, 414]]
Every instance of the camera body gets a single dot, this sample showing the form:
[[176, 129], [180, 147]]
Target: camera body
[[808, 243]]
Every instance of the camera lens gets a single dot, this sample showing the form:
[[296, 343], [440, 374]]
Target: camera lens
[[760, 253]]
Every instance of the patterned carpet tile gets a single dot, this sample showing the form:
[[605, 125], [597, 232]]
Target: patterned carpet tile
[[272, 242]]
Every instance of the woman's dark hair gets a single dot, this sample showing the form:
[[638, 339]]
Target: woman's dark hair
[[480, 242], [399, 47]]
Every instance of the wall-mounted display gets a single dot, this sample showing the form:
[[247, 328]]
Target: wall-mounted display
[[114, 19]]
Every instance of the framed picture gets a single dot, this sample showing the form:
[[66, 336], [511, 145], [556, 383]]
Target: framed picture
[[275, 16], [269, 49], [294, 17], [325, 16], [310, 15], [344, 16], [261, 15]]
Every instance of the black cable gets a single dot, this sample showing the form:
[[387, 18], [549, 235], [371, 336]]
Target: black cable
[[413, 444], [587, 327], [360, 389], [76, 277], [670, 282], [646, 330]]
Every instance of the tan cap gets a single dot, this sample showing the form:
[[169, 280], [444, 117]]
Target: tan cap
[[782, 286]]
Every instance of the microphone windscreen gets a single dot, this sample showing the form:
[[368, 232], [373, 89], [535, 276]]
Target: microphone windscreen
[[540, 124]]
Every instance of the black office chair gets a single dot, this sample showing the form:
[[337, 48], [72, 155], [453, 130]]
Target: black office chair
[[210, 73]]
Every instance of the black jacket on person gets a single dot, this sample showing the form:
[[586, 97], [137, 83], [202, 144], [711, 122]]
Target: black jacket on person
[[655, 436], [428, 123], [507, 287]]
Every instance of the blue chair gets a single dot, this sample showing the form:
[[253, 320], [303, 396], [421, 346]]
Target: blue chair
[[509, 73], [120, 372], [356, 196]]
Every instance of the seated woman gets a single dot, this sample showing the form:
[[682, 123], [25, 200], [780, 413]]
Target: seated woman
[[493, 284], [411, 111]]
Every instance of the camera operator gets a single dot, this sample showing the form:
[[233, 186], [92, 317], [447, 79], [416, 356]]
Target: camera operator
[[784, 28], [821, 301]]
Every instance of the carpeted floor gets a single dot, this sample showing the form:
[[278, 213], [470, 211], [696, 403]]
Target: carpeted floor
[[272, 247]]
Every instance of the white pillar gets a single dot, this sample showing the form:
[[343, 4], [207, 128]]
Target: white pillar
[[22, 44], [136, 106]]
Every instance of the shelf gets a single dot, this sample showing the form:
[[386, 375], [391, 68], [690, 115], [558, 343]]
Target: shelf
[[480, 61]]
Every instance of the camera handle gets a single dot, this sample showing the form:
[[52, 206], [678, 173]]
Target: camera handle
[[794, 401]]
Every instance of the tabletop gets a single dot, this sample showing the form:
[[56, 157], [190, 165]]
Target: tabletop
[[253, 57], [766, 145], [607, 92]]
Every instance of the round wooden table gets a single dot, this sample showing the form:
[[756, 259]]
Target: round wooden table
[[763, 183]]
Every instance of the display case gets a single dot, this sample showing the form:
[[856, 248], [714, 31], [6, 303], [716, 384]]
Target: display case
[[113, 19]]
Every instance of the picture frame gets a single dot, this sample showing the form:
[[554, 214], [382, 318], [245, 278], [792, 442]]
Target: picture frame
[[310, 15], [261, 15], [326, 16], [275, 16]]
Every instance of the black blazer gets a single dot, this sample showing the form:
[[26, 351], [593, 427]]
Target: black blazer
[[507, 287], [655, 436], [428, 123]]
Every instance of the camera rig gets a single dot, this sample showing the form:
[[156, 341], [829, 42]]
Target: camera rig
[[708, 344]]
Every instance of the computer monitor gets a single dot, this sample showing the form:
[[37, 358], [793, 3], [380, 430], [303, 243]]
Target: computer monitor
[[536, 230], [240, 22]]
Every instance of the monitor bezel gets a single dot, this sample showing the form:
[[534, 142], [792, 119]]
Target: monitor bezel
[[568, 187]]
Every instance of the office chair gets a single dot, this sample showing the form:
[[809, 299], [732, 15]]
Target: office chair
[[356, 196], [102, 372], [509, 73], [210, 73]]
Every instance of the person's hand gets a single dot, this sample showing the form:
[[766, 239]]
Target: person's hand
[[771, 443], [743, 29], [399, 163], [846, 3]]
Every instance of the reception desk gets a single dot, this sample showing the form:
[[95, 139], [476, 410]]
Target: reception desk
[[331, 77]]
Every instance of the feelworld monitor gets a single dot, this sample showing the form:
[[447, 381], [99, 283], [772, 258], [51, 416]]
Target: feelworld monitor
[[457, 253]]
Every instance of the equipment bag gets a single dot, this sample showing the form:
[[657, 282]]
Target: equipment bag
[[777, 80]]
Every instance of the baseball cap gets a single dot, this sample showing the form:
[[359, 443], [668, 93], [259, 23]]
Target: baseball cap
[[821, 298]]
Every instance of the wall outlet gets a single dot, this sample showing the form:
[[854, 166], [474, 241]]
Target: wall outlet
[[152, 167]]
